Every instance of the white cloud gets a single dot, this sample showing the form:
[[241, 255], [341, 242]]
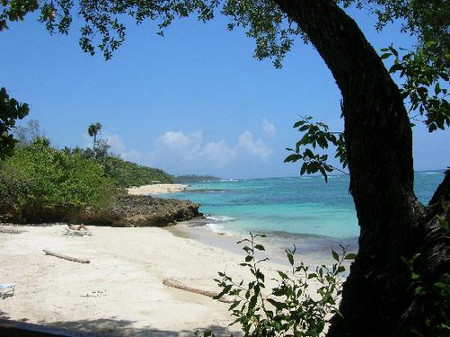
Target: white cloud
[[255, 147], [268, 128], [191, 147], [117, 145], [218, 152], [178, 152], [177, 139], [133, 155]]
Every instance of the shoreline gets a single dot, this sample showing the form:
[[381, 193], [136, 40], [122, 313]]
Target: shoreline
[[273, 242], [121, 291]]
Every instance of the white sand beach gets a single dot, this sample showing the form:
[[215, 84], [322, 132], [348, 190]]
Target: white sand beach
[[156, 189], [121, 291]]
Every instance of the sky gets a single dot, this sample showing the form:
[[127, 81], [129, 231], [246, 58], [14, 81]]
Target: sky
[[192, 102]]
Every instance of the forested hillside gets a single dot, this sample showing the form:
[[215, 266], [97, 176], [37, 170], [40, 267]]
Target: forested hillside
[[127, 174]]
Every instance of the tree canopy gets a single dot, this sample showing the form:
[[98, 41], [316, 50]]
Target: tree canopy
[[10, 111], [395, 226], [104, 27], [424, 70]]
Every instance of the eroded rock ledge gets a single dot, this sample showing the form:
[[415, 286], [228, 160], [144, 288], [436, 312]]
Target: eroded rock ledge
[[127, 211], [141, 211]]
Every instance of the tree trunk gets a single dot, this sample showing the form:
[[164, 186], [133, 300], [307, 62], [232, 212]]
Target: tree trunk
[[393, 224]]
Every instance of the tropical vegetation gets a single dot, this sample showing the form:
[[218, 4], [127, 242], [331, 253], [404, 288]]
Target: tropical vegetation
[[39, 183], [42, 184], [300, 304], [379, 297]]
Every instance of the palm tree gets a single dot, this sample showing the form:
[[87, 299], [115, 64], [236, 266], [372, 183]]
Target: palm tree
[[93, 130]]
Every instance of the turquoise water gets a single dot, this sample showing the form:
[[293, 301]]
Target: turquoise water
[[305, 210]]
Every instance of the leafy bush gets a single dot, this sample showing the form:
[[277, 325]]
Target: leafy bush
[[291, 308], [40, 183]]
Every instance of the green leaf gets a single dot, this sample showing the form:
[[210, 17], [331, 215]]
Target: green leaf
[[290, 257], [282, 275], [234, 305], [304, 128], [299, 123], [350, 256], [396, 67], [308, 153], [312, 275], [335, 255], [224, 291], [252, 302], [437, 88], [259, 247], [441, 285], [276, 304], [418, 291], [293, 158]]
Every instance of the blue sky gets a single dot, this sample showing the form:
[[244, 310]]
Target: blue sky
[[192, 102]]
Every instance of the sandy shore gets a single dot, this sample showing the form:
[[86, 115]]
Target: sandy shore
[[121, 291], [156, 189]]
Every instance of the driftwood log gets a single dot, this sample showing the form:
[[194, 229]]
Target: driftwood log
[[179, 285], [12, 231], [65, 257]]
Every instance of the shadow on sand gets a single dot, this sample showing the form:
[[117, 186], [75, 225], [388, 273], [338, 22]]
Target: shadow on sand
[[98, 328]]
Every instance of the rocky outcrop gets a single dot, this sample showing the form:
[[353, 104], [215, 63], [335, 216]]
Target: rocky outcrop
[[127, 211], [141, 211]]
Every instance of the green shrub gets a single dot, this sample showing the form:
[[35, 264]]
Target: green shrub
[[291, 308], [40, 183]]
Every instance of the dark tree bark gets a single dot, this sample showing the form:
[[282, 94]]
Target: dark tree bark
[[376, 296]]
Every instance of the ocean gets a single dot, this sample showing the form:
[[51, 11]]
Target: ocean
[[303, 211]]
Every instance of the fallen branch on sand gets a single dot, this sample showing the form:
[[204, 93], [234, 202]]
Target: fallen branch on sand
[[65, 257], [179, 285], [12, 231]]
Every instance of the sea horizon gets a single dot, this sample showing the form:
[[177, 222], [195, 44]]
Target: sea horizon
[[310, 175]]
